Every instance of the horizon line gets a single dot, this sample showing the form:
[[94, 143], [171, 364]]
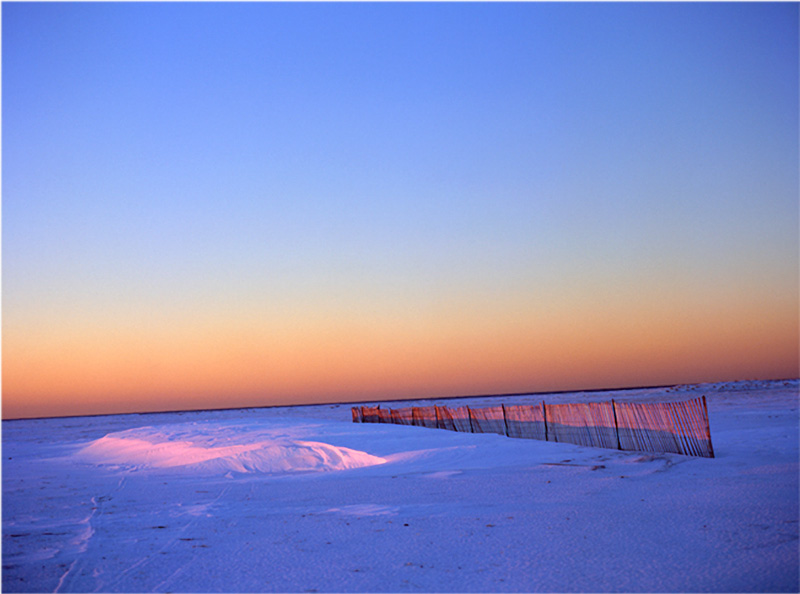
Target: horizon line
[[353, 402]]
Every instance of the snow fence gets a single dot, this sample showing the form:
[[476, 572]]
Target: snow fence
[[675, 427]]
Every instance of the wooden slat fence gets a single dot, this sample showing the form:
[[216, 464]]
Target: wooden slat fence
[[402, 416], [588, 424], [424, 416], [526, 422], [369, 414], [488, 420], [455, 419], [676, 427]]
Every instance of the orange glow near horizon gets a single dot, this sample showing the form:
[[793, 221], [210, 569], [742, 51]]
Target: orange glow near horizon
[[467, 349]]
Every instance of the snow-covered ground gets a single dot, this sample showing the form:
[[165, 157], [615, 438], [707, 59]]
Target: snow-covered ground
[[300, 499]]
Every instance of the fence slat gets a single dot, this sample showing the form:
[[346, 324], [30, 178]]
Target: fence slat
[[402, 416], [526, 422], [369, 414], [424, 416], [488, 420], [455, 419], [588, 424]]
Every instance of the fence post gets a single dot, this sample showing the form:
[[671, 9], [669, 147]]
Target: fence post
[[708, 427], [616, 425], [544, 416], [505, 421], [469, 416]]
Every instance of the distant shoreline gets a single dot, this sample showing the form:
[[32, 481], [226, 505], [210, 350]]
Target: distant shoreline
[[368, 401]]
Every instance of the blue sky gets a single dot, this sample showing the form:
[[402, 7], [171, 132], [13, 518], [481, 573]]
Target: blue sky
[[456, 175]]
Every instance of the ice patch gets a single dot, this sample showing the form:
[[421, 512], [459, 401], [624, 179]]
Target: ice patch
[[199, 449]]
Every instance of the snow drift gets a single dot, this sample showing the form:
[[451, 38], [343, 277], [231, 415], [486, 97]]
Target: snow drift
[[214, 449]]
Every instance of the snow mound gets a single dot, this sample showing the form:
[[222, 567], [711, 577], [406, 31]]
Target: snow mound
[[219, 449]]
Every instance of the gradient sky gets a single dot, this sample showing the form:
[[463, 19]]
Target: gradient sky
[[221, 205]]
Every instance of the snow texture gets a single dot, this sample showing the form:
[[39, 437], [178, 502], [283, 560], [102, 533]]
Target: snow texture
[[301, 499]]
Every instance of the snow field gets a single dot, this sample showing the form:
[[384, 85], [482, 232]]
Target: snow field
[[264, 500]]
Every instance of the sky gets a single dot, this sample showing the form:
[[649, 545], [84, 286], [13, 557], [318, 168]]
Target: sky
[[212, 205]]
